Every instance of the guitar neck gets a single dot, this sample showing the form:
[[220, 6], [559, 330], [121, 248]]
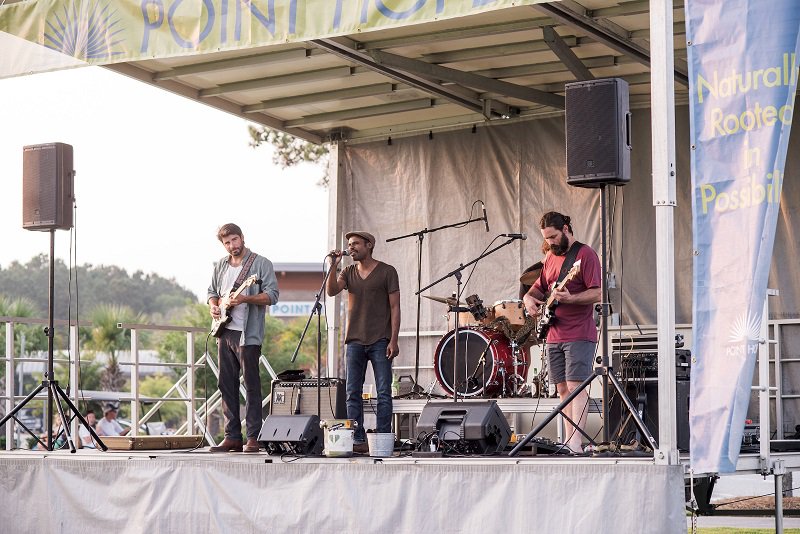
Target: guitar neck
[[247, 283], [558, 287]]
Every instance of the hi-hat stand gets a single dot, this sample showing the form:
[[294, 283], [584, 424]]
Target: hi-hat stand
[[416, 390], [55, 395], [605, 370]]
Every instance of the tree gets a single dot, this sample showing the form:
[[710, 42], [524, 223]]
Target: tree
[[172, 413], [145, 293], [291, 150], [280, 342], [172, 346], [107, 338], [26, 336]]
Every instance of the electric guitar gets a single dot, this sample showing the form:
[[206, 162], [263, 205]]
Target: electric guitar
[[217, 325], [547, 313]]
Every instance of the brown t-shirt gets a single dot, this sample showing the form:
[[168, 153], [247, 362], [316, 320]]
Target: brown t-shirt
[[368, 301]]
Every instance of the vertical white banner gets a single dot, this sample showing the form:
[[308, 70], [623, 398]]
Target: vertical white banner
[[743, 76]]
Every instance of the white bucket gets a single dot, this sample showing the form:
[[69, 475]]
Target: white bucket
[[338, 442], [381, 445]]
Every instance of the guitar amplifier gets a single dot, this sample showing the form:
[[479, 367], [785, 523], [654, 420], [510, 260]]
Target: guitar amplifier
[[299, 397]]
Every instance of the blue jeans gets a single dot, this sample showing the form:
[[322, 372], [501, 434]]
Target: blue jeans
[[357, 357]]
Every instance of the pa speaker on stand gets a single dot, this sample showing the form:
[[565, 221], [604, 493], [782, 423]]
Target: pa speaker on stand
[[47, 187], [598, 124]]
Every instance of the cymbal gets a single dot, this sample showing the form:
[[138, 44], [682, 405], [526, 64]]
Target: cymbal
[[530, 277], [450, 301]]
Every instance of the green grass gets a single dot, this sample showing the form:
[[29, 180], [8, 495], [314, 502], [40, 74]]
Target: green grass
[[732, 530]]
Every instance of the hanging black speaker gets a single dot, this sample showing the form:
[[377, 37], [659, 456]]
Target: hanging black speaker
[[47, 192], [598, 133]]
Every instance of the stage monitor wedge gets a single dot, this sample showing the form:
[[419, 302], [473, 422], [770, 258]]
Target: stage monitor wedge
[[292, 434], [47, 187], [470, 426], [598, 131]]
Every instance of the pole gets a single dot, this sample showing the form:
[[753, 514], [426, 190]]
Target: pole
[[49, 375]]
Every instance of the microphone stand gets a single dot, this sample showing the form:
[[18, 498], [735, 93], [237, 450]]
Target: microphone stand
[[316, 309], [456, 273], [416, 389]]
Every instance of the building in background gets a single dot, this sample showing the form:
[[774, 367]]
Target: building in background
[[298, 284]]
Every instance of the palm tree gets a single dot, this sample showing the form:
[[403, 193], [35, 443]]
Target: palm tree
[[108, 338], [31, 334]]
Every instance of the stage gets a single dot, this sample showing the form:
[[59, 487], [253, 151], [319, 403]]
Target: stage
[[164, 491]]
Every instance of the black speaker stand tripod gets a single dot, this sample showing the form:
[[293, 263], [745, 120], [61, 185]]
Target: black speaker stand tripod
[[55, 395], [605, 370]]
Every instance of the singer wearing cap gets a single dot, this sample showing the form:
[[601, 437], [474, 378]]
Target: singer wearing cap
[[239, 340], [373, 327], [572, 334]]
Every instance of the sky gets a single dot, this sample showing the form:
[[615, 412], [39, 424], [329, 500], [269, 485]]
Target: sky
[[156, 175]]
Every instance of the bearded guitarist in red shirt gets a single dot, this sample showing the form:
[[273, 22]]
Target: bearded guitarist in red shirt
[[564, 295]]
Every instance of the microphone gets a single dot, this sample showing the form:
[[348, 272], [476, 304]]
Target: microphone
[[485, 220], [515, 236], [344, 253]]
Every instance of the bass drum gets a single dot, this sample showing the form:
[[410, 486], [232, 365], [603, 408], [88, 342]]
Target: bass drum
[[485, 362]]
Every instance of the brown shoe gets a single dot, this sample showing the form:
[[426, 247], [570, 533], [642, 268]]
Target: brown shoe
[[228, 445], [361, 448], [252, 445]]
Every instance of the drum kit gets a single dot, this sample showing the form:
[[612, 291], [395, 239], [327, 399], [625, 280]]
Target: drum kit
[[493, 348]]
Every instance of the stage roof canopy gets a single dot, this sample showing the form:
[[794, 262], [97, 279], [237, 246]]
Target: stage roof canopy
[[432, 73]]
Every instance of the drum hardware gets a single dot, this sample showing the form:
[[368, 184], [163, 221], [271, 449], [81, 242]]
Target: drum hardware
[[476, 308], [472, 380]]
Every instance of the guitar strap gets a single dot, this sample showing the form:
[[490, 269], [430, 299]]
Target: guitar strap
[[245, 270], [569, 260]]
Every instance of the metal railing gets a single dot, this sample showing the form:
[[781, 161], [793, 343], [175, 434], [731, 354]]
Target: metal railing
[[183, 390]]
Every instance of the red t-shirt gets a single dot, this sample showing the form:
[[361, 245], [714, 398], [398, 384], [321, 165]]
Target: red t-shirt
[[573, 322]]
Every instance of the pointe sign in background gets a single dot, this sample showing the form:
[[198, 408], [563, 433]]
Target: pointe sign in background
[[743, 75], [98, 32]]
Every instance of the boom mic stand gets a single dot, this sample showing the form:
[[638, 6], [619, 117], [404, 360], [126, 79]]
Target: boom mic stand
[[316, 309], [55, 395], [456, 273], [605, 370], [416, 389]]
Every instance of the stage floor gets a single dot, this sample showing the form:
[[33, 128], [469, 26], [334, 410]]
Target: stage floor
[[178, 491]]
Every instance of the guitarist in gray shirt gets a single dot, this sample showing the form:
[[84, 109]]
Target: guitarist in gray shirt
[[565, 293], [238, 315]]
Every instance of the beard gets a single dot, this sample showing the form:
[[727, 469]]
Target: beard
[[561, 248]]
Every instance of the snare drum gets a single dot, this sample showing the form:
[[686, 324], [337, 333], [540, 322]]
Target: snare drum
[[485, 362], [513, 310]]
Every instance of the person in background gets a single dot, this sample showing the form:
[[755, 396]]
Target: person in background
[[108, 425], [84, 435]]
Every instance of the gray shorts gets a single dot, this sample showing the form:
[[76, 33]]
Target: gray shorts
[[572, 361]]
